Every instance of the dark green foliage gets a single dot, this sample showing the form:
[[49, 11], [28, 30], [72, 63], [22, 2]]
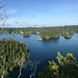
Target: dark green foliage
[[68, 36], [67, 68], [52, 35], [27, 34], [11, 54]]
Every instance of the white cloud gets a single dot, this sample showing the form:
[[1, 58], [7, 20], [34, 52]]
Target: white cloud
[[16, 22], [11, 11]]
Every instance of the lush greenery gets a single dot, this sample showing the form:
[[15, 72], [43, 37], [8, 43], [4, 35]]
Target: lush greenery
[[12, 54], [67, 36], [66, 67], [27, 34], [45, 32]]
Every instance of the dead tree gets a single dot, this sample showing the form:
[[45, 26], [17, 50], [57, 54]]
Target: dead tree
[[34, 69], [3, 16], [22, 64]]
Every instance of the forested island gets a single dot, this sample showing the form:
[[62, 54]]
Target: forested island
[[46, 33]]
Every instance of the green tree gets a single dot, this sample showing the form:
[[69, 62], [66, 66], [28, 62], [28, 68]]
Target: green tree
[[67, 67], [12, 54]]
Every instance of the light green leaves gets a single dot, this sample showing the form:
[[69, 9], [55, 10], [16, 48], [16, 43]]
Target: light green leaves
[[60, 58]]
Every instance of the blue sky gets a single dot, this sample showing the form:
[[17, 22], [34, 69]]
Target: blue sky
[[42, 13]]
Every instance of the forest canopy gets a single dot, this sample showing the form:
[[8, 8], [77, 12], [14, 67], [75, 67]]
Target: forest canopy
[[12, 54]]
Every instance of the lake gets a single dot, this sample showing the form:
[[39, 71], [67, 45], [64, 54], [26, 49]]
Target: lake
[[43, 51]]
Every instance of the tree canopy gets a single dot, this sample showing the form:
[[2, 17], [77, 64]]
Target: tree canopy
[[12, 54], [66, 67]]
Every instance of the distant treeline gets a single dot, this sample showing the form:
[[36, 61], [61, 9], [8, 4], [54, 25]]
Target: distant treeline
[[45, 32]]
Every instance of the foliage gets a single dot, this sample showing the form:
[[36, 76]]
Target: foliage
[[27, 34], [67, 68], [12, 54], [46, 33], [67, 36]]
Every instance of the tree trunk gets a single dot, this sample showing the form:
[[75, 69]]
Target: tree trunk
[[33, 74], [20, 72], [2, 76]]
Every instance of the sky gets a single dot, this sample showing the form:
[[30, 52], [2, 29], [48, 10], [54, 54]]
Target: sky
[[41, 13]]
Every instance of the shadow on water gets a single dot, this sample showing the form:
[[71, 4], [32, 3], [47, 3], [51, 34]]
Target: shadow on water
[[50, 41], [14, 73]]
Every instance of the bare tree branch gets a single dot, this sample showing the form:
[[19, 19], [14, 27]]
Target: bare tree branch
[[1, 6], [34, 69], [21, 67], [1, 1]]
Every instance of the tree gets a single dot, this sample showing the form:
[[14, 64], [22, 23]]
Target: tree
[[60, 59], [33, 69], [67, 67], [12, 54]]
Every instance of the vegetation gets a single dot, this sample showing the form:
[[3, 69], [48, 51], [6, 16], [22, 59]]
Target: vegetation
[[68, 36], [46, 33], [27, 34], [66, 67], [51, 35], [12, 54]]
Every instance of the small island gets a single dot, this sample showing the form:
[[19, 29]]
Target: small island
[[27, 34], [46, 33], [67, 36]]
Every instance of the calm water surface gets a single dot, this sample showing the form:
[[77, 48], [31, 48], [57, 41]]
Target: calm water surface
[[46, 50]]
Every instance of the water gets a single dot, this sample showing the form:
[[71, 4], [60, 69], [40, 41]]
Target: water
[[44, 51]]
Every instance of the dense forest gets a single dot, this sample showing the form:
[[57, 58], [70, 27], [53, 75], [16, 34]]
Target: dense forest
[[12, 55], [46, 33]]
